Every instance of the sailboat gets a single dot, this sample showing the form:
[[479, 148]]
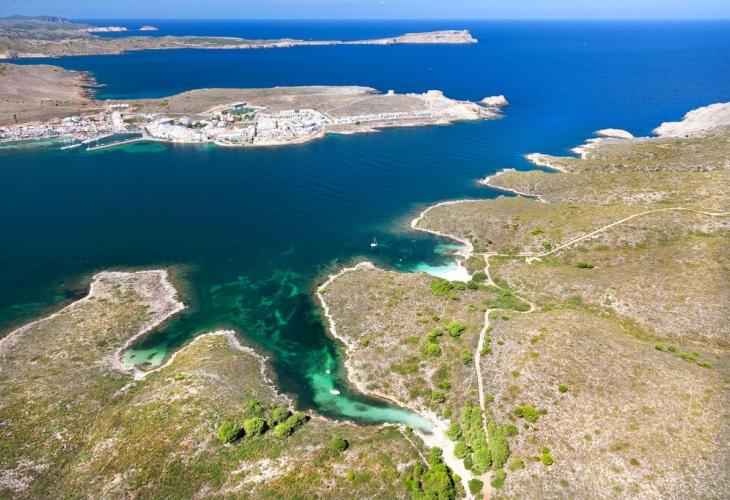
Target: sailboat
[[374, 243]]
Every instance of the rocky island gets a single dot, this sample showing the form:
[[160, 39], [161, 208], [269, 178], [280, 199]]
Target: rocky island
[[28, 37], [60, 106]]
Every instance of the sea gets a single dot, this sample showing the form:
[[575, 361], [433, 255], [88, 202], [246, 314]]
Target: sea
[[250, 233]]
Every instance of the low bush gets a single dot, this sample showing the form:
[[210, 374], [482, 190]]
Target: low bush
[[254, 406], [454, 432], [481, 458], [584, 265], [475, 486], [338, 445], [516, 464], [466, 356], [455, 329], [498, 478], [479, 277], [229, 432], [254, 426], [546, 458], [438, 397], [434, 334], [527, 412], [563, 388], [288, 426], [432, 350], [279, 414], [442, 287], [461, 450]]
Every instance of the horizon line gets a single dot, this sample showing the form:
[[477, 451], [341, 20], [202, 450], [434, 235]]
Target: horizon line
[[393, 19]]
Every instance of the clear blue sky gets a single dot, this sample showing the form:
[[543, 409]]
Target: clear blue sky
[[373, 9]]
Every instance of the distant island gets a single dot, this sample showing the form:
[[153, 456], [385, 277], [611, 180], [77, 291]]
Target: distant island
[[58, 103], [33, 37]]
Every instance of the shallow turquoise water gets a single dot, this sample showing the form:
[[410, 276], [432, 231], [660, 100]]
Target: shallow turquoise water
[[251, 231]]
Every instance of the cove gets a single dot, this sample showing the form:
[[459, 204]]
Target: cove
[[250, 232]]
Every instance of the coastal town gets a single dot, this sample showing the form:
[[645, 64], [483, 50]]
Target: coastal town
[[246, 123]]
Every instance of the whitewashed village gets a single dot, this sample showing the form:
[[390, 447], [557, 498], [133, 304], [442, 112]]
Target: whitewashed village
[[247, 124]]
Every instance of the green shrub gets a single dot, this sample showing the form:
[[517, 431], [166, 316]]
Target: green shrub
[[438, 483], [364, 341], [434, 334], [288, 426], [455, 329], [516, 464], [461, 450], [482, 460], [575, 300], [584, 265], [229, 432], [432, 350], [498, 446], [254, 426], [435, 456], [454, 432], [546, 458], [338, 445], [442, 287], [466, 356], [279, 414], [438, 397], [563, 388], [498, 478], [527, 412], [179, 376], [479, 277], [510, 430], [475, 486], [254, 406]]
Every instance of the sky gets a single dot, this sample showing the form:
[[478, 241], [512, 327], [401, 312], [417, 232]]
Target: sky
[[371, 9]]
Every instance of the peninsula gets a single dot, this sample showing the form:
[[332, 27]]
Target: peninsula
[[593, 329], [31, 37], [57, 103]]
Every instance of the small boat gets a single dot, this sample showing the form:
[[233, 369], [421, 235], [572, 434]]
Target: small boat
[[335, 392], [374, 243]]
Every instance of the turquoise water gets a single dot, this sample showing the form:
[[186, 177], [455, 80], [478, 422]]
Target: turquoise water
[[251, 231]]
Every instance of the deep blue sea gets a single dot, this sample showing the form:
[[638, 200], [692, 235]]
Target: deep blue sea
[[250, 231]]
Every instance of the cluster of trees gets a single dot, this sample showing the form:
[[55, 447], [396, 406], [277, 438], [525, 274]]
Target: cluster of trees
[[437, 482], [454, 329], [280, 419], [479, 450]]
